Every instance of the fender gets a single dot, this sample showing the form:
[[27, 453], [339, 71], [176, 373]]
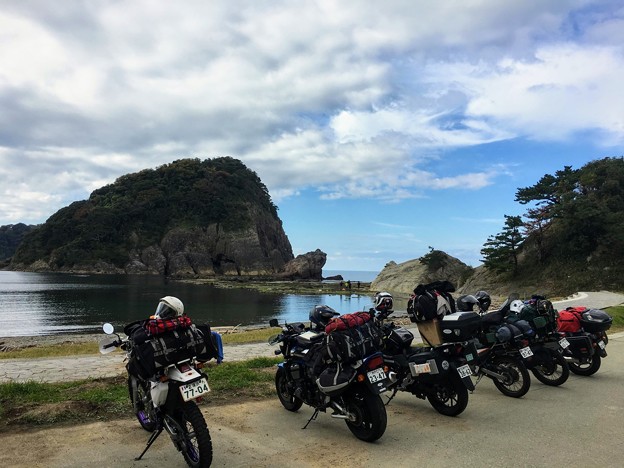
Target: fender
[[467, 381]]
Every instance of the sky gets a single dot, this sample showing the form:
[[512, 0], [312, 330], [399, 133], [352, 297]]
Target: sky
[[381, 129]]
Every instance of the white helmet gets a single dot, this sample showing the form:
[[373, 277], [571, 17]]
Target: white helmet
[[516, 306], [383, 302], [169, 307]]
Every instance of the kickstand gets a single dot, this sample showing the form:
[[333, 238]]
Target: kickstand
[[392, 396], [312, 418], [150, 441]]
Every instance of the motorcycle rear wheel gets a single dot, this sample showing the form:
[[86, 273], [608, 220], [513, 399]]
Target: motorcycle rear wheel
[[143, 401], [369, 415], [193, 438], [553, 373], [586, 369], [285, 395], [517, 380], [449, 398]]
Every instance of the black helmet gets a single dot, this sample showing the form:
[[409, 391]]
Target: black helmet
[[383, 302], [484, 300], [466, 303], [320, 316]]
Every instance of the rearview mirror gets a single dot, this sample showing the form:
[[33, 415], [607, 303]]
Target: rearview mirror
[[108, 328], [273, 323]]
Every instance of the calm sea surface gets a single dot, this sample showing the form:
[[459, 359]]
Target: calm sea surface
[[52, 303]]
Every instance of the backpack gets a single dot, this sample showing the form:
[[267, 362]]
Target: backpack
[[569, 320], [431, 301]]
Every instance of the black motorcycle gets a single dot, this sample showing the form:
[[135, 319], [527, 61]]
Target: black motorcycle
[[350, 390], [529, 332], [584, 350], [440, 374]]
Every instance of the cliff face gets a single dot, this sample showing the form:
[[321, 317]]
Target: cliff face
[[188, 218], [404, 277]]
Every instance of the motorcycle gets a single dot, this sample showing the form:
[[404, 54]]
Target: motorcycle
[[440, 374], [166, 401], [585, 349], [351, 391]]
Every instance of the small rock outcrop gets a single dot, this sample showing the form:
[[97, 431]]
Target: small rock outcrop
[[306, 266], [404, 277]]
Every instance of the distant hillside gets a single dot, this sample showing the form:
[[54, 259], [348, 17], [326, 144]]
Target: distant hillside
[[570, 239], [572, 235], [190, 217], [11, 236]]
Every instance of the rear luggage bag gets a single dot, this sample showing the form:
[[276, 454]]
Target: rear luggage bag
[[595, 320], [568, 321], [460, 326], [352, 344]]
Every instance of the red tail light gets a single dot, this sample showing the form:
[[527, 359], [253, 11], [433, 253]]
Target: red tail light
[[375, 362]]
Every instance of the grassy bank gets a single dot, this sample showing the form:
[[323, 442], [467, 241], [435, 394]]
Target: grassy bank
[[34, 403]]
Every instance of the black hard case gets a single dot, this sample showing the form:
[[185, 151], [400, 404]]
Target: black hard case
[[460, 326]]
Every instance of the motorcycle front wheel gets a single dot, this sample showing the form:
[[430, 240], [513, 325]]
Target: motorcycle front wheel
[[284, 393], [449, 398], [368, 417], [516, 380], [192, 437], [553, 373], [587, 369], [142, 401]]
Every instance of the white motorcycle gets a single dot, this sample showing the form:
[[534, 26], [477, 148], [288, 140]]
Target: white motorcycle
[[166, 401]]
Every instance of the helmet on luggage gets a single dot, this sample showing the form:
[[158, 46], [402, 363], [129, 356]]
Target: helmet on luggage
[[466, 303], [383, 302], [320, 316], [169, 307], [516, 306], [484, 300]]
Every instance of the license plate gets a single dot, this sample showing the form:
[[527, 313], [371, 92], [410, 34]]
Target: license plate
[[420, 368], [526, 352], [464, 371], [376, 375], [602, 344], [564, 343], [194, 389]]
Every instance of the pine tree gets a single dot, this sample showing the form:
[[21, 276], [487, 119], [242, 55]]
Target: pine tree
[[500, 251]]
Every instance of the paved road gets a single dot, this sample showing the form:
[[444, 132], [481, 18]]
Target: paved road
[[83, 367], [577, 424]]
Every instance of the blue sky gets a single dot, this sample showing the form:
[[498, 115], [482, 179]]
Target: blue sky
[[380, 128]]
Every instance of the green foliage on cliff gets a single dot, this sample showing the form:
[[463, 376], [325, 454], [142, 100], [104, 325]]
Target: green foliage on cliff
[[138, 209], [573, 231], [10, 237]]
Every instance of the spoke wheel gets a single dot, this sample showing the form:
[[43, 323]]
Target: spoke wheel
[[141, 399], [516, 380], [192, 436]]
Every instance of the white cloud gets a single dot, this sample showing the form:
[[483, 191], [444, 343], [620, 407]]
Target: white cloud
[[353, 99]]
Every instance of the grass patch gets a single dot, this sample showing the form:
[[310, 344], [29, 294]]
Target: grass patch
[[618, 318], [250, 336], [56, 350], [35, 403]]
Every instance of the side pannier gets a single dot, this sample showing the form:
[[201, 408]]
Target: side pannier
[[349, 339]]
